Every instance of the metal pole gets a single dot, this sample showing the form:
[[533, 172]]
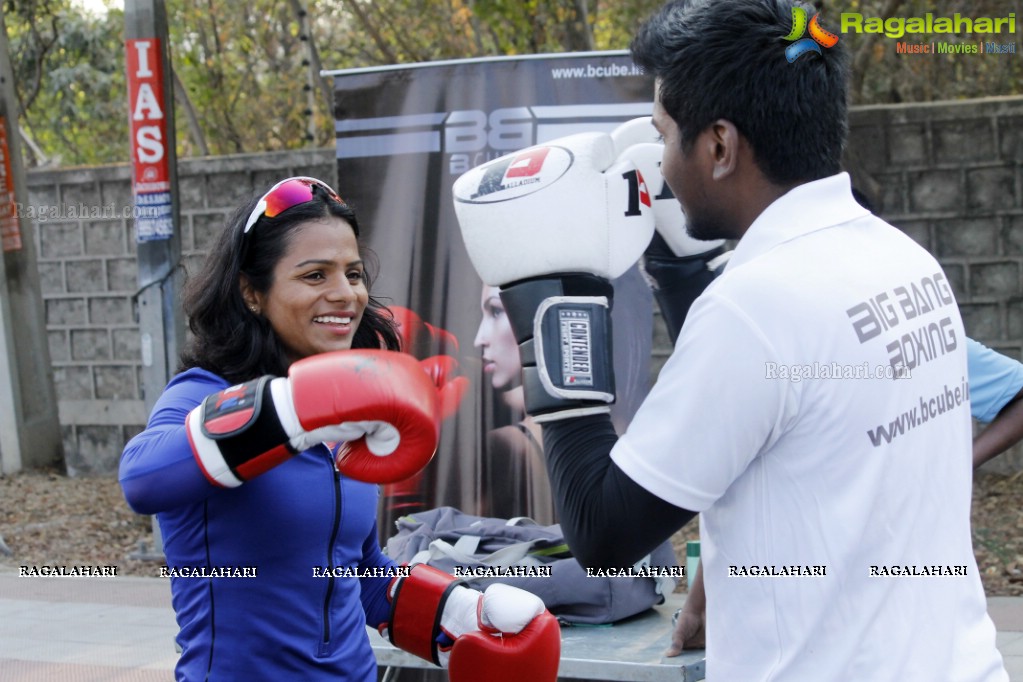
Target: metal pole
[[154, 186], [30, 433]]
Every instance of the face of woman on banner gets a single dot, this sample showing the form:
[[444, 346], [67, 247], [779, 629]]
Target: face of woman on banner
[[497, 342]]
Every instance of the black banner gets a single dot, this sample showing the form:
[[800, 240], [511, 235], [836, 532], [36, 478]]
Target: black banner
[[404, 134]]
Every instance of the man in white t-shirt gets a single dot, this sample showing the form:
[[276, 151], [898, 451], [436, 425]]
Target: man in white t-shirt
[[679, 274], [828, 460], [815, 410]]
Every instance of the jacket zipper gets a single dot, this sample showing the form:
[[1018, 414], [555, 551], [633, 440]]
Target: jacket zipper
[[330, 554]]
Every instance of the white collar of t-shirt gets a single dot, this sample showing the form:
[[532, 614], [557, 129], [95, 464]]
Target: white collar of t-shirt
[[803, 209]]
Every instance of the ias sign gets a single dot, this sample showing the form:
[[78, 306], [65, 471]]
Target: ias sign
[[150, 163]]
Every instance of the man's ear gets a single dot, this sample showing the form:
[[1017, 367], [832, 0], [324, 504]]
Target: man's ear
[[725, 146], [249, 294]]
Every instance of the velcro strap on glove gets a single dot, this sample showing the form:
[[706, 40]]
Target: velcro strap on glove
[[236, 434], [563, 327], [416, 610], [569, 365]]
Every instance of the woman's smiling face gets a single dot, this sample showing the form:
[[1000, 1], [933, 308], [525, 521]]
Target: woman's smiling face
[[318, 293]]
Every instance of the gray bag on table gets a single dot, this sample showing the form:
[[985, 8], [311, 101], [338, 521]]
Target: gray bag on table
[[479, 547]]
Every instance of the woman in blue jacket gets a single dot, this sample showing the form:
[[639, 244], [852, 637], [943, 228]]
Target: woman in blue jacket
[[271, 544]]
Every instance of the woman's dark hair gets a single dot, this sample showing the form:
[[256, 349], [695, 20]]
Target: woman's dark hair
[[228, 339], [727, 60]]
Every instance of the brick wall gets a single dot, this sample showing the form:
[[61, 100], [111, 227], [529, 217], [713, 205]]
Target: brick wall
[[89, 279], [949, 174]]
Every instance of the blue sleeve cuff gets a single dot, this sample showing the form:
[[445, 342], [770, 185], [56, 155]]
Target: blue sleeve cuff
[[994, 380]]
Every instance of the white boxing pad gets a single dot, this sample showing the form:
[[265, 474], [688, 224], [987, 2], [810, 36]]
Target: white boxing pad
[[509, 609], [564, 206], [639, 142]]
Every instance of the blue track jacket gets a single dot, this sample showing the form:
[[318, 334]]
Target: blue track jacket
[[299, 518]]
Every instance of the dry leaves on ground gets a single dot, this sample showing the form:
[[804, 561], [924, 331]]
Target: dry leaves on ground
[[48, 519], [997, 519], [998, 532]]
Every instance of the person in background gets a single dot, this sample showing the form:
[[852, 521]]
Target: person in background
[[261, 461], [996, 386]]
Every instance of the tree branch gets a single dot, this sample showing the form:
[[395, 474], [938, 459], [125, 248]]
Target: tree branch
[[378, 40], [862, 56], [582, 31], [194, 129]]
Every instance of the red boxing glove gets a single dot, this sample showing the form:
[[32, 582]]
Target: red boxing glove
[[450, 388], [420, 338], [531, 655], [502, 634], [435, 348], [407, 496], [387, 398], [379, 402], [423, 340]]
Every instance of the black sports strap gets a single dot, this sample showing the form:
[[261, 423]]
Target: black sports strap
[[678, 281], [262, 430], [608, 519]]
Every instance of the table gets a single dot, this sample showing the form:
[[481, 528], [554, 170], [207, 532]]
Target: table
[[630, 650]]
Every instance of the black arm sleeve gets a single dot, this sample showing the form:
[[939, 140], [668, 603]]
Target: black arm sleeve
[[608, 519], [677, 281]]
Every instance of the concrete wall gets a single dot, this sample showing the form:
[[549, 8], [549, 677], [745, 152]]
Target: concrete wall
[[949, 174], [89, 279]]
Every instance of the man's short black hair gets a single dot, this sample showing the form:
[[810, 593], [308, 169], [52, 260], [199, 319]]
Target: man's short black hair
[[725, 59]]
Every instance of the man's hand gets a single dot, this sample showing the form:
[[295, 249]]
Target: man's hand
[[688, 633], [690, 622]]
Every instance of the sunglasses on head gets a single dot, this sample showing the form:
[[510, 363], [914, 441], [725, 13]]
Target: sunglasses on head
[[286, 194]]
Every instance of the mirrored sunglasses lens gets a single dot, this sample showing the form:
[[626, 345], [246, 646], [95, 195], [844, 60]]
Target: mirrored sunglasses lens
[[291, 193]]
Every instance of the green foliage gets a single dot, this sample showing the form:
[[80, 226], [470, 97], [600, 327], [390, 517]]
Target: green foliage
[[881, 75], [404, 31], [244, 75], [69, 74]]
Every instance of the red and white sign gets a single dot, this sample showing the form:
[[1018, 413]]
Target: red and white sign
[[148, 122], [10, 226]]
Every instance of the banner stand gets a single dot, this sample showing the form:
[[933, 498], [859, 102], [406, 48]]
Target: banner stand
[[404, 134]]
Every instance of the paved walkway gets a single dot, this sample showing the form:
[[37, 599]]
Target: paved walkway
[[122, 630], [86, 629]]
